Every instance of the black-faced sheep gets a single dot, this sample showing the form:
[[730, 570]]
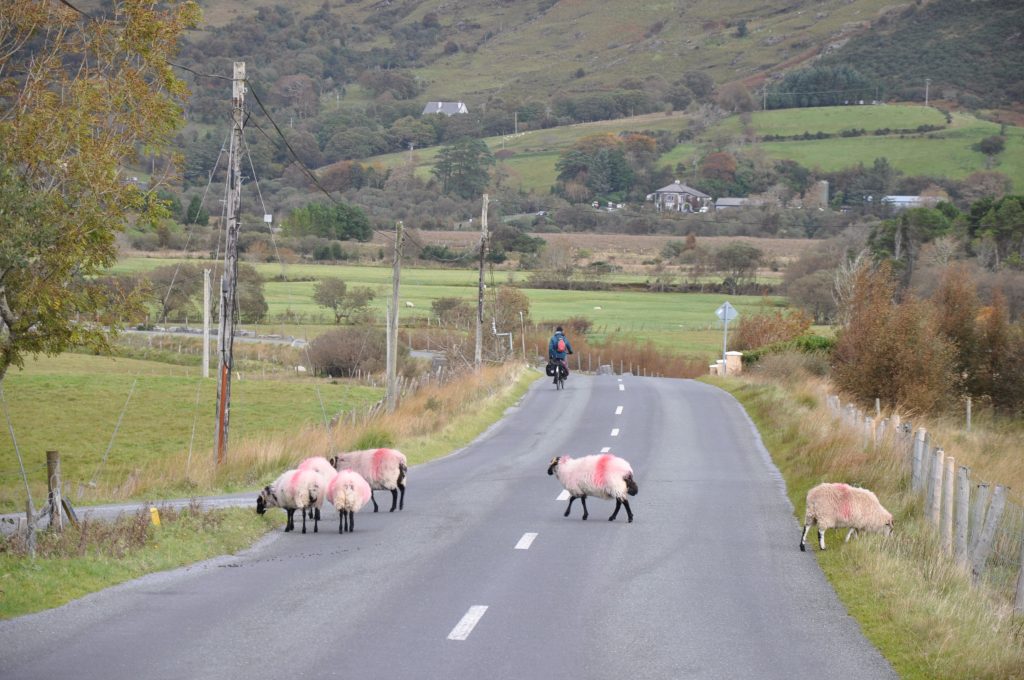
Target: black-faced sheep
[[604, 475], [293, 490], [382, 468], [348, 492], [840, 505]]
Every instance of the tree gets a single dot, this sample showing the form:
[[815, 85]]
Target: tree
[[508, 303], [337, 221], [462, 168], [992, 146], [175, 288], [196, 213], [356, 303], [739, 262], [79, 98], [330, 293], [735, 97]]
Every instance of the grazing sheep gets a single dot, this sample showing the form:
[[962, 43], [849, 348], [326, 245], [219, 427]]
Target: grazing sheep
[[293, 490], [322, 467], [348, 492], [605, 476], [382, 468], [840, 505]]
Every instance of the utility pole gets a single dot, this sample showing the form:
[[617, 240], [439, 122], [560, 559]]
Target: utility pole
[[230, 275], [478, 355], [764, 97], [927, 83], [206, 323], [391, 390], [515, 127]]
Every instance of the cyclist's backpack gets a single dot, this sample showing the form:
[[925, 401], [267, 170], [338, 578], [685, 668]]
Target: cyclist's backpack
[[560, 346]]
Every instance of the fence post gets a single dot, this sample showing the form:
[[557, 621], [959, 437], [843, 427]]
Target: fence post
[[878, 407], [978, 516], [868, 431], [917, 477], [30, 535], [935, 495], [53, 486], [1018, 603], [968, 414], [963, 503], [947, 505], [988, 534]]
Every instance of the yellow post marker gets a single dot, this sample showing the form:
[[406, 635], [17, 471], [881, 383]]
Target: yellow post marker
[[154, 515]]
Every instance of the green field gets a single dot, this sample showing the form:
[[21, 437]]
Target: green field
[[678, 322], [50, 400], [943, 153]]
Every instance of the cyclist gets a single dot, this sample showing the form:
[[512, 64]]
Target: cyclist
[[558, 348]]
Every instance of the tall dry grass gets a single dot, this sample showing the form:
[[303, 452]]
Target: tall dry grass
[[911, 599], [642, 358], [254, 461]]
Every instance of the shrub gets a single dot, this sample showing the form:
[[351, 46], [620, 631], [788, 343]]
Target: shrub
[[344, 351], [764, 329], [891, 351]]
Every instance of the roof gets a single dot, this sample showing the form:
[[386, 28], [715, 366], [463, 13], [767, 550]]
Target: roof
[[901, 199], [729, 202], [677, 188], [447, 108]]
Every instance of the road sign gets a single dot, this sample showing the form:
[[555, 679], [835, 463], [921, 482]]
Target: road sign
[[726, 312]]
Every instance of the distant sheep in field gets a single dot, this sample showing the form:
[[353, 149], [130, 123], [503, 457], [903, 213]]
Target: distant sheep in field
[[348, 492], [293, 490], [604, 475], [840, 505], [382, 468]]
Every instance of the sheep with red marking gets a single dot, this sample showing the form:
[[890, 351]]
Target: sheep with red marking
[[348, 492], [603, 475], [384, 469], [841, 505], [293, 490]]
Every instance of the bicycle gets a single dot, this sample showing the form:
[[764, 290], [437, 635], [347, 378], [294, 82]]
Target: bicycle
[[560, 373]]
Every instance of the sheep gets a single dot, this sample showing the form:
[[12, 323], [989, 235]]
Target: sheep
[[293, 490], [322, 467], [840, 505], [605, 476], [348, 492], [382, 468]]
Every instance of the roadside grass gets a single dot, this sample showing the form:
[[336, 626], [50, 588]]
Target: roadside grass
[[97, 555], [432, 423], [910, 599], [72, 403]]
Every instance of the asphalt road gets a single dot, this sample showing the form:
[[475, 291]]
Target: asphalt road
[[707, 582]]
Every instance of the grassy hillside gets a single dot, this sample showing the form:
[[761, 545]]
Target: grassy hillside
[[532, 49], [946, 152]]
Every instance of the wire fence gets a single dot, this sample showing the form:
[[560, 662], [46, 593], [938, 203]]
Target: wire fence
[[978, 526]]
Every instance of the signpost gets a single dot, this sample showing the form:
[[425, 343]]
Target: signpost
[[726, 313]]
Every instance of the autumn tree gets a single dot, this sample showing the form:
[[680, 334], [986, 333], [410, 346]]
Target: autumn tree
[[889, 350], [80, 98], [330, 293]]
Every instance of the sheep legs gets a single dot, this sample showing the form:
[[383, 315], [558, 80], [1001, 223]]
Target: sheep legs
[[821, 536], [583, 500], [373, 500], [620, 503], [290, 524], [346, 515]]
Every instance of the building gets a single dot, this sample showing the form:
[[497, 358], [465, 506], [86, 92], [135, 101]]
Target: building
[[902, 202], [681, 198], [730, 203], [446, 108]]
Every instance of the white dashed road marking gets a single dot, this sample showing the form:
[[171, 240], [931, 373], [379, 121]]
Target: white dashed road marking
[[618, 410], [525, 542], [615, 432], [564, 496], [606, 449], [622, 388], [464, 627]]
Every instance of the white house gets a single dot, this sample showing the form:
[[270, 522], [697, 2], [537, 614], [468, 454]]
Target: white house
[[681, 198], [446, 108]]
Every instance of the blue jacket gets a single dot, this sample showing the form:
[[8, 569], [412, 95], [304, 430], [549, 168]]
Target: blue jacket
[[553, 346]]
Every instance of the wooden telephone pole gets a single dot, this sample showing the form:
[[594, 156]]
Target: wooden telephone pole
[[391, 389], [226, 340], [479, 354]]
